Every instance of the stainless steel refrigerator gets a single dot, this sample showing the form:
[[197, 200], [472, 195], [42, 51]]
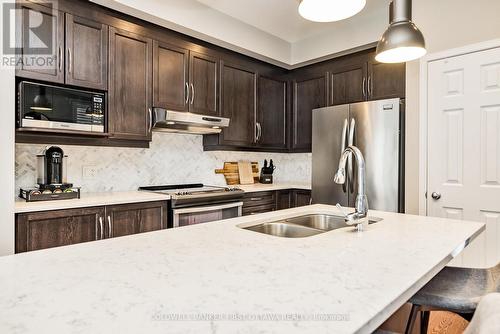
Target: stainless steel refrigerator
[[377, 129]]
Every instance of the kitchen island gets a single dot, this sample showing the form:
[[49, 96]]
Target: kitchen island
[[220, 278]]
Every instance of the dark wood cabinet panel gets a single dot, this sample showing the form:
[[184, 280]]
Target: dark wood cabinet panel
[[129, 85], [127, 219], [50, 29], [284, 199], [309, 92], [348, 84], [271, 113], [86, 53], [203, 72], [238, 102], [170, 76], [40, 230], [386, 80], [301, 198]]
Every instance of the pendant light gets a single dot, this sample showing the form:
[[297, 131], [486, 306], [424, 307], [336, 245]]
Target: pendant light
[[402, 41], [329, 10]]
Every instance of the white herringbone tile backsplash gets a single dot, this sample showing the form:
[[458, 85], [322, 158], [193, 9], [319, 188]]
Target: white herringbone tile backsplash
[[172, 158]]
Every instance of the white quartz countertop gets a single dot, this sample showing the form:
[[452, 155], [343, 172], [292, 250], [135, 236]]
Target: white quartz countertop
[[90, 199], [123, 197], [185, 280]]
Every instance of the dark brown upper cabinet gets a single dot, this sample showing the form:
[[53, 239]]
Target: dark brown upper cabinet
[[348, 84], [385, 81], [130, 81], [86, 53], [184, 80], [309, 92], [80, 49], [238, 103], [203, 84], [170, 77], [40, 230], [271, 113], [51, 28], [360, 78]]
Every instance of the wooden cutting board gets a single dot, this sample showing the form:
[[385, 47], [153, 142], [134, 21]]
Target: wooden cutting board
[[245, 172], [232, 175]]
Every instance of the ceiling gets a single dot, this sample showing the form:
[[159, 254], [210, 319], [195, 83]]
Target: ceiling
[[270, 30], [281, 18]]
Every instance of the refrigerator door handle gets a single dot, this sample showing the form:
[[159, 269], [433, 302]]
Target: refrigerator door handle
[[350, 173], [342, 148]]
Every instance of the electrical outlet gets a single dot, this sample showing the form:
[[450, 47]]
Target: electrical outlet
[[89, 172]]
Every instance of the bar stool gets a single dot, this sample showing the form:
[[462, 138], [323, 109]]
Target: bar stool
[[454, 289]]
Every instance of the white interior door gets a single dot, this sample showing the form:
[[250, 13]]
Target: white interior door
[[464, 148]]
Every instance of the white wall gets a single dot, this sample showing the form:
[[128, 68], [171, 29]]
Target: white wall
[[445, 24], [7, 96]]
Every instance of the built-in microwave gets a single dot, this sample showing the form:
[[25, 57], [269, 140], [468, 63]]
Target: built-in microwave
[[59, 108]]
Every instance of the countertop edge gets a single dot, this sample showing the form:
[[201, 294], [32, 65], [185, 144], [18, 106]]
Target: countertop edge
[[126, 197]]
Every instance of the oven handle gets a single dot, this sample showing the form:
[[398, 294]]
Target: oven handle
[[207, 208], [195, 209]]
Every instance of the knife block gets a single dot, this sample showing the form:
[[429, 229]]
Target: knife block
[[266, 178]]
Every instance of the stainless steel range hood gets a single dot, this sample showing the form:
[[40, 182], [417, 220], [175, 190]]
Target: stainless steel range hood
[[184, 122]]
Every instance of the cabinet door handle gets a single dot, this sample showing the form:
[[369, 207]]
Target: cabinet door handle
[[364, 87], [69, 61], [369, 84], [187, 93], [101, 225], [256, 133], [192, 95], [259, 131], [150, 120], [110, 235], [60, 58]]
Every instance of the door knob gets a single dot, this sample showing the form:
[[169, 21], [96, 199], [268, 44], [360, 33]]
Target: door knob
[[436, 195]]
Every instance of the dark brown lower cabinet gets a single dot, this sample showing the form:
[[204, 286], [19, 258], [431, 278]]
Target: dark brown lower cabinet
[[126, 219], [39, 230], [284, 199], [265, 201], [301, 198], [47, 229]]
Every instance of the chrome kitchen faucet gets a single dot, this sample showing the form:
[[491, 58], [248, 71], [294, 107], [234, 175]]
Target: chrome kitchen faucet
[[359, 217]]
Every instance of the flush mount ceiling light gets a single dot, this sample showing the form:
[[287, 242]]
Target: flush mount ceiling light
[[329, 10], [402, 41]]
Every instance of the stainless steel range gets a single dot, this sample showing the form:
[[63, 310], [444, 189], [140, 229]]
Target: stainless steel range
[[197, 203]]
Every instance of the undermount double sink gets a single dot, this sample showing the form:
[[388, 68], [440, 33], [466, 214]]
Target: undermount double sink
[[303, 226]]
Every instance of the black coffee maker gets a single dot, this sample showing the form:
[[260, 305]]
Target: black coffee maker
[[52, 185], [52, 169]]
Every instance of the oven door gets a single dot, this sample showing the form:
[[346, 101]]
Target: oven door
[[204, 214]]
